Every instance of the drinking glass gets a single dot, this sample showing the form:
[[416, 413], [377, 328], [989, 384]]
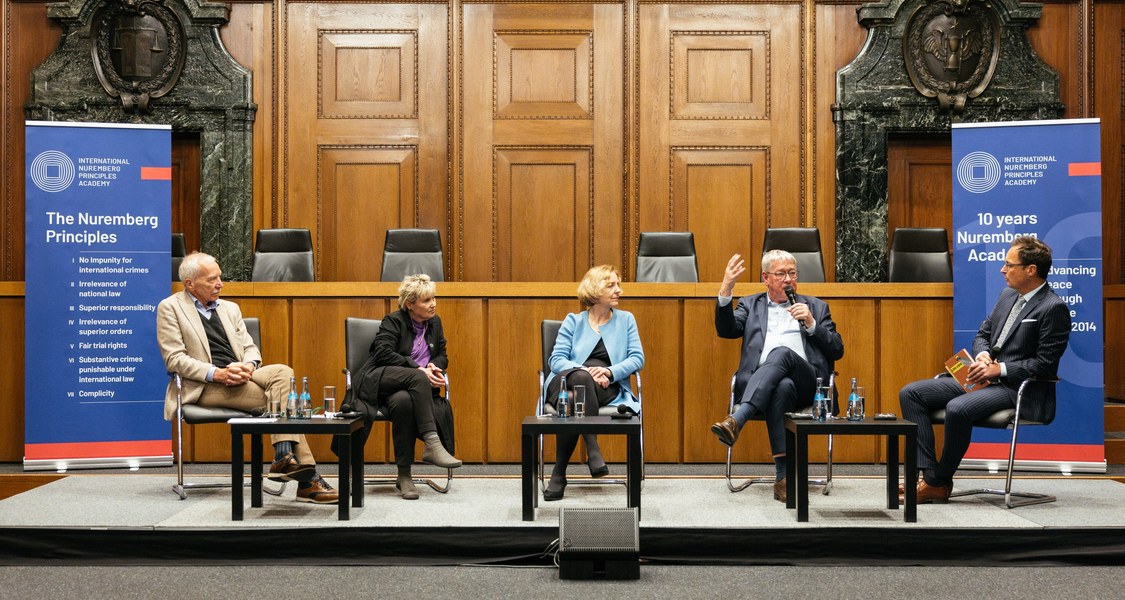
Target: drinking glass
[[823, 404], [329, 401], [862, 402], [275, 408], [579, 400]]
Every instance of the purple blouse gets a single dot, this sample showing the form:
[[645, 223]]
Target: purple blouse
[[420, 351]]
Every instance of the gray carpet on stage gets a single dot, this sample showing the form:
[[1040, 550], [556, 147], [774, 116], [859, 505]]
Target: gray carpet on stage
[[146, 501]]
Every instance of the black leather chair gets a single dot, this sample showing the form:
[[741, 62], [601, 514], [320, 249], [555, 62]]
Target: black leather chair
[[804, 244], [358, 335], [549, 332], [412, 252], [826, 482], [179, 251], [193, 414], [920, 254], [667, 256], [1005, 419], [283, 255]]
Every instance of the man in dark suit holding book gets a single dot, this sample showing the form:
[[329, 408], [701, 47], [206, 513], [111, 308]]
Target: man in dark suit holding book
[[1025, 336]]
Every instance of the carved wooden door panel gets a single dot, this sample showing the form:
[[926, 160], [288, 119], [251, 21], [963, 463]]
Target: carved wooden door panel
[[720, 112], [365, 115], [541, 174]]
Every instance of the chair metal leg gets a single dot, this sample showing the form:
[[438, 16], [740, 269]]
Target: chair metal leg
[[738, 487], [827, 482], [437, 487], [1028, 497]]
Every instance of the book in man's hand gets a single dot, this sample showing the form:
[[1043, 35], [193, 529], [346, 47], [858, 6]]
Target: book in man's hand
[[958, 366]]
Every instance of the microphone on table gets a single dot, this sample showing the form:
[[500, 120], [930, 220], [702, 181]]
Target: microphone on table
[[792, 295]]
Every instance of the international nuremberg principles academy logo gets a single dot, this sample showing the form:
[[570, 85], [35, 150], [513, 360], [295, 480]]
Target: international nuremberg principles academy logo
[[52, 171], [978, 172]]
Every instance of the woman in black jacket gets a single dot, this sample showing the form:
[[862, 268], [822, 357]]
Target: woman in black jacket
[[405, 374]]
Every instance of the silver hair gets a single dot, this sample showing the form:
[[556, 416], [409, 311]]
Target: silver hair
[[773, 256], [415, 287], [190, 267]]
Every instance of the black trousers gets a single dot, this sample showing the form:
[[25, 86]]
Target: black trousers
[[921, 398], [785, 382], [408, 398]]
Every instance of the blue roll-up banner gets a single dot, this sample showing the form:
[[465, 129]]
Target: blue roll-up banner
[[1040, 178], [98, 229]]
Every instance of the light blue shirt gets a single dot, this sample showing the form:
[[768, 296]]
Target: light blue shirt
[[781, 329]]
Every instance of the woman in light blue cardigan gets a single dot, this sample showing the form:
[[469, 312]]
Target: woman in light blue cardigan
[[598, 348]]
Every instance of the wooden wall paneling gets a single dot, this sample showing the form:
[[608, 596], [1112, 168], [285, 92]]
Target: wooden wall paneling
[[359, 189], [708, 365], [919, 186], [542, 141], [475, 252], [721, 191], [514, 357], [1056, 39], [357, 160], [660, 324], [1109, 105], [12, 385], [29, 38], [715, 87], [1114, 335], [857, 324], [915, 338], [465, 321], [544, 213], [836, 39], [249, 39], [318, 353]]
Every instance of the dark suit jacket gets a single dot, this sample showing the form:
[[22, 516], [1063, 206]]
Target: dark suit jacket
[[748, 320], [1034, 346]]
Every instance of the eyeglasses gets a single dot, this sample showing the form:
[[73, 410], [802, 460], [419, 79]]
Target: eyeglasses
[[783, 274], [1009, 265]]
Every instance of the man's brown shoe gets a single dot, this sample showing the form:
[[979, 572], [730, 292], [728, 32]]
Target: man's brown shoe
[[726, 430], [933, 494], [318, 492], [779, 490], [287, 468]]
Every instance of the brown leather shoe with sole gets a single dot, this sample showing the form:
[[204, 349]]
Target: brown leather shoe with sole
[[318, 492], [933, 494], [779, 493], [726, 430], [287, 468]]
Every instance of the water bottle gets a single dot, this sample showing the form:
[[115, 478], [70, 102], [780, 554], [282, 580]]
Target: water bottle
[[291, 404], [855, 408], [820, 402], [563, 403], [305, 408]]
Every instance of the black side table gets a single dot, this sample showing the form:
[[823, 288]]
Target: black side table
[[536, 426], [797, 434], [351, 459]]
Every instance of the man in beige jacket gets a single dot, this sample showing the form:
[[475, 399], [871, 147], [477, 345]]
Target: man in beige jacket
[[204, 339]]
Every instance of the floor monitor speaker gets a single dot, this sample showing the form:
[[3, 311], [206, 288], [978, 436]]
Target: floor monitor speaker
[[599, 543]]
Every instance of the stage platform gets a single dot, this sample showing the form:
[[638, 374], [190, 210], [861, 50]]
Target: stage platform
[[136, 519]]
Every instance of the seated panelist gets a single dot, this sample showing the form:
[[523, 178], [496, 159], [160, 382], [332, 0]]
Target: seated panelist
[[788, 340], [598, 348], [204, 340], [1025, 336], [404, 375]]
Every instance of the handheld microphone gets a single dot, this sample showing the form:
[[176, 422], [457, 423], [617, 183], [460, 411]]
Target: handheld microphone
[[792, 295]]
